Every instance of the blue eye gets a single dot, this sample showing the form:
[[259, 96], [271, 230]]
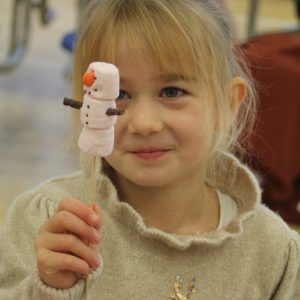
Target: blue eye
[[172, 92], [122, 95]]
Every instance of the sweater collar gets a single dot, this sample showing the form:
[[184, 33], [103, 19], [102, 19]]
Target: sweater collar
[[229, 176]]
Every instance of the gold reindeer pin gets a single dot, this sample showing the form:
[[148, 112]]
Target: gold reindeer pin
[[178, 285]]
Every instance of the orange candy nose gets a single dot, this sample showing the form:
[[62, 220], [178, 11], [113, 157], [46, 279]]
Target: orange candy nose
[[88, 78]]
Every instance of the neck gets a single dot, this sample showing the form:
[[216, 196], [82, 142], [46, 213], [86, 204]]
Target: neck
[[187, 207]]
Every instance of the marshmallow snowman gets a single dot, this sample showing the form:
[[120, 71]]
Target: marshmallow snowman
[[101, 88]]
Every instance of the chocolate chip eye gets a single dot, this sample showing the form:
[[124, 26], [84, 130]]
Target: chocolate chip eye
[[90, 92], [88, 106], [96, 90]]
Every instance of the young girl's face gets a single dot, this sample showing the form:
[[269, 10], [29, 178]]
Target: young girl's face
[[166, 131]]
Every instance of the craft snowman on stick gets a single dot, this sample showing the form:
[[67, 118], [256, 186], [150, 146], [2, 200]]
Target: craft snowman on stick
[[98, 115], [101, 88], [98, 112]]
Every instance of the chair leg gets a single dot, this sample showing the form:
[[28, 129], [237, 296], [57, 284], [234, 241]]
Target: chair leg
[[20, 30], [253, 9], [46, 14]]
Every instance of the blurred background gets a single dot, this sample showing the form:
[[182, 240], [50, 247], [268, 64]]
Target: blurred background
[[34, 66]]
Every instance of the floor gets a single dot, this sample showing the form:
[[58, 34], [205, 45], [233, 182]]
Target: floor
[[33, 121]]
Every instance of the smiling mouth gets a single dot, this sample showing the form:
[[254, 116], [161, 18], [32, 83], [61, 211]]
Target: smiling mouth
[[150, 154]]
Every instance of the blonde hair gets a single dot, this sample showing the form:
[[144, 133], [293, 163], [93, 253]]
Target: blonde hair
[[189, 36]]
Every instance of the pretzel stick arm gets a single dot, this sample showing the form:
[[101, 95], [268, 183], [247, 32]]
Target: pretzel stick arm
[[115, 112], [77, 104], [72, 103]]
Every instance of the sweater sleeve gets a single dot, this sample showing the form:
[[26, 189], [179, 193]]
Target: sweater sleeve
[[289, 287], [18, 272]]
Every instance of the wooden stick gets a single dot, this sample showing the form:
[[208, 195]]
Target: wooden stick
[[86, 296], [92, 201], [93, 183]]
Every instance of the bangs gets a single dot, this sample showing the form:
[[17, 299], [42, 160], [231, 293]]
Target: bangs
[[148, 32]]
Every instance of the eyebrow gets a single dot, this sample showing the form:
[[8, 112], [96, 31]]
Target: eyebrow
[[175, 77]]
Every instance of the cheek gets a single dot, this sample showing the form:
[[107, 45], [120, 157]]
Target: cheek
[[111, 159], [188, 124], [195, 133], [118, 130], [114, 158], [119, 135]]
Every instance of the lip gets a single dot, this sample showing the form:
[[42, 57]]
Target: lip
[[149, 154]]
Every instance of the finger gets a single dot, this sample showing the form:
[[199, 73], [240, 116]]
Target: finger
[[95, 248], [65, 221], [67, 243], [60, 280], [81, 210], [50, 263], [96, 208]]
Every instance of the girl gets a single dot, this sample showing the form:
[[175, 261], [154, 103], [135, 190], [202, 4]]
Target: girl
[[181, 217]]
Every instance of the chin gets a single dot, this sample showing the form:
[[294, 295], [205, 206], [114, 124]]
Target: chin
[[147, 180]]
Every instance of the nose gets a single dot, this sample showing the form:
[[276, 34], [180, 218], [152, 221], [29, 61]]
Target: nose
[[88, 78], [145, 117]]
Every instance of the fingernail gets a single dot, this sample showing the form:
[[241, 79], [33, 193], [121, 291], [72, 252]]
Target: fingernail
[[96, 263], [96, 235], [93, 218]]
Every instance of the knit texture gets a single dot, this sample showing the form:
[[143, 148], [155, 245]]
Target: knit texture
[[255, 257]]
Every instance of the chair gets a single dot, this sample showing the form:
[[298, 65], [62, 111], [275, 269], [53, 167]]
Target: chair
[[274, 60], [20, 30]]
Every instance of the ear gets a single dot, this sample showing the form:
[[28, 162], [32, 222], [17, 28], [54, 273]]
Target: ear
[[238, 94]]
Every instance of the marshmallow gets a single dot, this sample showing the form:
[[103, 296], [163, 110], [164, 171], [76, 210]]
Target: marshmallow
[[101, 87], [97, 142], [101, 81], [93, 113]]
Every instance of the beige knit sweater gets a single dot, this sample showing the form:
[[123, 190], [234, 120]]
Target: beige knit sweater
[[255, 257]]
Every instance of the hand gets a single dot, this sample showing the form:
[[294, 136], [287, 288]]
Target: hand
[[66, 245]]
